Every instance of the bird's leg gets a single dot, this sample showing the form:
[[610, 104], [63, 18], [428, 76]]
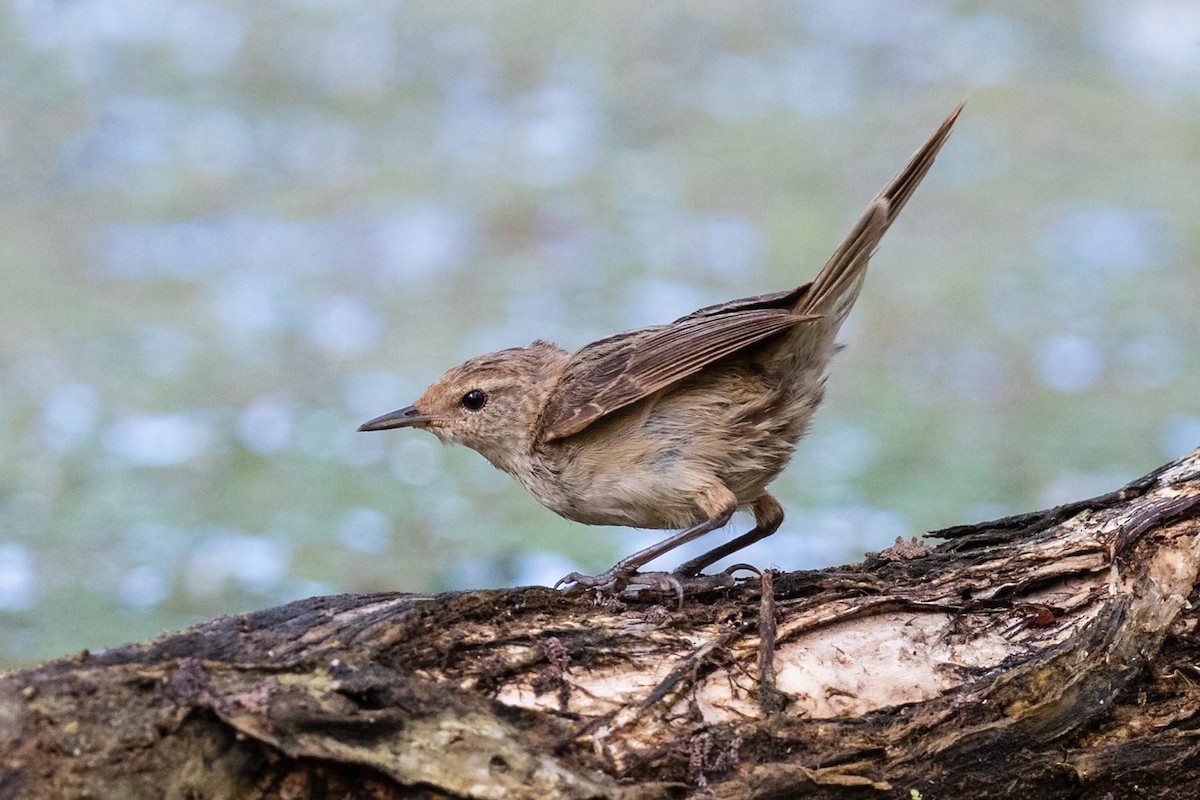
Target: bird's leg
[[768, 516], [720, 507]]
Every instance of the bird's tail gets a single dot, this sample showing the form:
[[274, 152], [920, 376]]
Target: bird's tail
[[834, 290]]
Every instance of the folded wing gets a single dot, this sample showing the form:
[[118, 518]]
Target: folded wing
[[611, 373]]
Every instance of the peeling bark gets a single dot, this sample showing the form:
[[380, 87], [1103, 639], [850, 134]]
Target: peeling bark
[[1053, 654]]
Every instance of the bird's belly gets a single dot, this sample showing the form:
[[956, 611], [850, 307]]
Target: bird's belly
[[638, 497], [649, 467]]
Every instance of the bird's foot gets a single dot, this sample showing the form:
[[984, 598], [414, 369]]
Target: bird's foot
[[721, 580], [580, 581], [615, 581]]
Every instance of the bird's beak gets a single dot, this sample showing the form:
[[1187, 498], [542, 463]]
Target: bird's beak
[[406, 417]]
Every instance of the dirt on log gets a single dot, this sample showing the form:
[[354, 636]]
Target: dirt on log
[[1052, 654]]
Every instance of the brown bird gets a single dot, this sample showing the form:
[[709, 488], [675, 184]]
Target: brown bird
[[672, 426]]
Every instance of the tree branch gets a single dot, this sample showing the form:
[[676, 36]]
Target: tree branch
[[1050, 653]]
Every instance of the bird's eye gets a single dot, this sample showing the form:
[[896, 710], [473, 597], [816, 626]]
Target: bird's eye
[[474, 400]]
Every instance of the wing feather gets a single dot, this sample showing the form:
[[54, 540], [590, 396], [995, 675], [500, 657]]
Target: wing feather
[[785, 299], [611, 373]]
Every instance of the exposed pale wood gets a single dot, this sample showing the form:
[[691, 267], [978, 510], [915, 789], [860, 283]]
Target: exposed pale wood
[[1052, 654]]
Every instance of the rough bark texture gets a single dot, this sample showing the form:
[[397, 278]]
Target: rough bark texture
[[1052, 654]]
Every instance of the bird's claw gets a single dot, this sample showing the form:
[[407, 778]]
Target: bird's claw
[[605, 581], [748, 567], [721, 580], [616, 581]]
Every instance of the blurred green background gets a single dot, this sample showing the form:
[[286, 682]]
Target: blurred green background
[[230, 232]]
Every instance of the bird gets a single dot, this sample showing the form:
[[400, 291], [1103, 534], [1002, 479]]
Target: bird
[[673, 426]]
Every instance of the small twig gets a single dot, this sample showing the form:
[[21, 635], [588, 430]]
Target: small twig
[[690, 664], [769, 698]]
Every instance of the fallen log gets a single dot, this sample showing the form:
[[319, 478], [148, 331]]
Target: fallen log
[[1051, 654]]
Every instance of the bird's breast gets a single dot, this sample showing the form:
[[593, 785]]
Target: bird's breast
[[648, 464]]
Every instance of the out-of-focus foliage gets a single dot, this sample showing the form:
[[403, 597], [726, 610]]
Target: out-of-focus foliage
[[230, 232]]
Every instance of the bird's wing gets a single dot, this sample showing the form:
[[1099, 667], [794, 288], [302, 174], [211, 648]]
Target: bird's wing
[[614, 372], [611, 373]]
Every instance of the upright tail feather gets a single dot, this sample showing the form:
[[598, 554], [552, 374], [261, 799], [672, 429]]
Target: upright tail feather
[[834, 290]]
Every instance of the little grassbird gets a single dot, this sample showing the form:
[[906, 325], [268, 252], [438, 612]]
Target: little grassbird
[[672, 426]]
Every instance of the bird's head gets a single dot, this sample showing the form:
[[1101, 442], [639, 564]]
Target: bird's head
[[490, 403]]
